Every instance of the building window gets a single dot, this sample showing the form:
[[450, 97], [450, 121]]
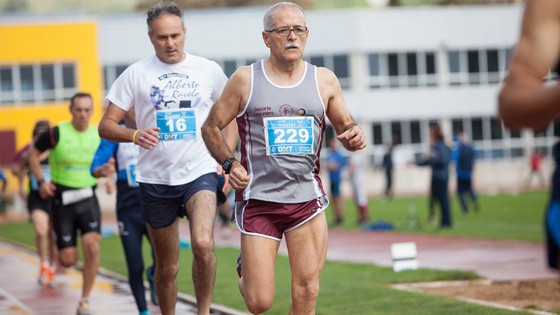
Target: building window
[[377, 134], [490, 137], [69, 76], [37, 83], [493, 66], [476, 67], [229, 67], [319, 61], [341, 68], [473, 63], [402, 70], [111, 73], [339, 64], [48, 82], [26, 83]]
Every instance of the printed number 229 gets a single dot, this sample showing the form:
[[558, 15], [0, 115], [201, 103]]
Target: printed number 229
[[291, 135]]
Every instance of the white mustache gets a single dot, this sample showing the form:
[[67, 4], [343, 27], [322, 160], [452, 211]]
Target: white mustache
[[292, 45]]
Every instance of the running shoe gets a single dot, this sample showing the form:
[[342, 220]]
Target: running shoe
[[43, 273], [238, 267], [153, 293], [83, 308], [50, 277]]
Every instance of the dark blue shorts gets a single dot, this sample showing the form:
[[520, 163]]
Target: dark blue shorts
[[335, 189], [162, 204]]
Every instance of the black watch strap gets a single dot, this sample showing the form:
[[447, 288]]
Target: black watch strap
[[228, 163]]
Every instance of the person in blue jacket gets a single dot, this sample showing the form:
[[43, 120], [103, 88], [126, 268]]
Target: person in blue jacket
[[439, 158], [132, 229], [335, 164], [464, 156]]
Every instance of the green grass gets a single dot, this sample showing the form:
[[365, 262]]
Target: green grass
[[504, 216], [350, 288]]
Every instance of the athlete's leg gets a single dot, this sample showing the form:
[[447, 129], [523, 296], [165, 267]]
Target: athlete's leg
[[337, 203], [201, 211], [41, 225], [258, 257], [131, 227], [62, 221], [165, 241], [53, 250], [90, 248], [462, 190], [307, 250]]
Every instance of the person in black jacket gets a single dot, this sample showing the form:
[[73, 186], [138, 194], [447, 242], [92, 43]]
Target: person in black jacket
[[438, 159], [388, 167]]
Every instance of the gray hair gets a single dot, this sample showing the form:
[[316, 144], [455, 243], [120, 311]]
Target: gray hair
[[160, 9], [268, 20]]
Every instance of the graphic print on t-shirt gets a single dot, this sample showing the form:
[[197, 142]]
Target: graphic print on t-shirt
[[174, 98]]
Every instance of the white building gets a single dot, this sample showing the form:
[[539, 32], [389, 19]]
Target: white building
[[401, 69]]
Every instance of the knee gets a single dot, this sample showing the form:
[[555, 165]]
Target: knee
[[202, 247], [68, 257], [167, 271], [41, 233], [258, 303], [307, 289], [90, 246]]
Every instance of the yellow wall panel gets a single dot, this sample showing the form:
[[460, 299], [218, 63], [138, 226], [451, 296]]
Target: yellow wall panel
[[40, 43]]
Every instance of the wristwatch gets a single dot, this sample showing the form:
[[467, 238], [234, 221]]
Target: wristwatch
[[228, 163]]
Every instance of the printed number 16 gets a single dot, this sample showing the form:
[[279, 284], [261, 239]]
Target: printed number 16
[[179, 124]]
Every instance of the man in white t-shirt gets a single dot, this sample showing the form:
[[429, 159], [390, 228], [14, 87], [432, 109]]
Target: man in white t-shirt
[[172, 93]]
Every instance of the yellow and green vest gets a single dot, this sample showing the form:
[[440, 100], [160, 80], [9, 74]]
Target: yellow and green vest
[[71, 158]]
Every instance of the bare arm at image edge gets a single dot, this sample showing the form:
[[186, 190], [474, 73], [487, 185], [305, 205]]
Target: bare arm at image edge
[[524, 100]]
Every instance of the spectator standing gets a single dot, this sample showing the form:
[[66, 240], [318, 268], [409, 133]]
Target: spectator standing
[[535, 169], [75, 208], [335, 165], [464, 156], [357, 171], [438, 159], [387, 165]]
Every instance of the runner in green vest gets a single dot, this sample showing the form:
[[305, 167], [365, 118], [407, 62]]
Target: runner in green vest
[[72, 188]]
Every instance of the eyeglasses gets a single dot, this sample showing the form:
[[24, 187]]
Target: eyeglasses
[[285, 31]]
